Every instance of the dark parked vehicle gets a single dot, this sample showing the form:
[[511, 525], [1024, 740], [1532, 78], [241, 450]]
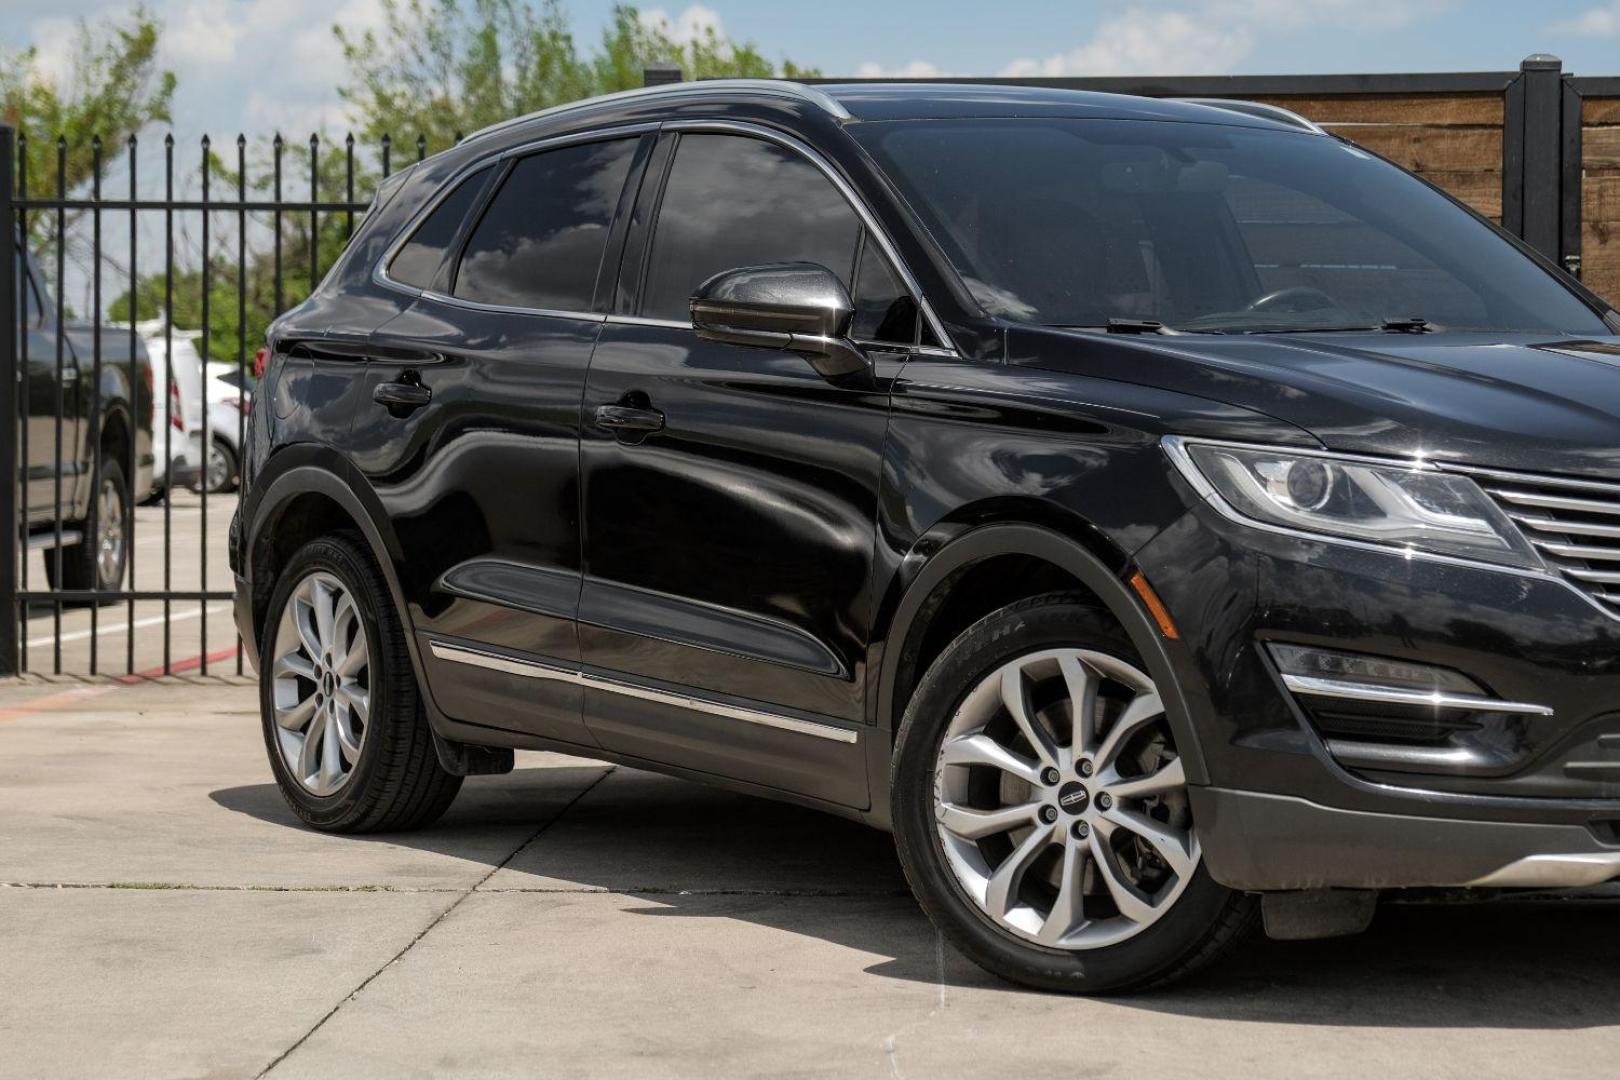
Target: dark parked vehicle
[[87, 450], [1152, 512]]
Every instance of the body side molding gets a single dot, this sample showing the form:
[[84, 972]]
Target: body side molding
[[535, 669]]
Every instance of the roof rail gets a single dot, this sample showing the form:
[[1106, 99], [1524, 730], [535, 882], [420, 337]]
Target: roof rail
[[1260, 109], [768, 87]]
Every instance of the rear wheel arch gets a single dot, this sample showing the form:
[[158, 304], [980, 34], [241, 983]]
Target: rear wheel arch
[[307, 497], [1052, 562]]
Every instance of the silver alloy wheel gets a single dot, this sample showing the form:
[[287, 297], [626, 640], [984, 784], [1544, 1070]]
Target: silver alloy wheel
[[110, 535], [320, 683], [1060, 802]]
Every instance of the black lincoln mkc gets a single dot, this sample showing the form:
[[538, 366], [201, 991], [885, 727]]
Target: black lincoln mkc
[[1154, 513]]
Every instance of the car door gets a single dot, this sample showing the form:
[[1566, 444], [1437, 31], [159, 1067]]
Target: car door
[[729, 533], [42, 381], [469, 432]]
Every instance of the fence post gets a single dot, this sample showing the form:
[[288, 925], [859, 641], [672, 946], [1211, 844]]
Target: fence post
[[660, 75], [1532, 154], [10, 329], [1569, 248]]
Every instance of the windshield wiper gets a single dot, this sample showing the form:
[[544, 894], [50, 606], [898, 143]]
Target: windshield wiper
[[1412, 324], [1138, 326]]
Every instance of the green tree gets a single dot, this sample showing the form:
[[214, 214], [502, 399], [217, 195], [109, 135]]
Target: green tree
[[243, 301], [116, 89], [442, 67]]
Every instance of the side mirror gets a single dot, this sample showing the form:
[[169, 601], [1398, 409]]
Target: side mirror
[[799, 307]]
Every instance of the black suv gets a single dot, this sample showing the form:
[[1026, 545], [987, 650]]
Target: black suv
[[1136, 506]]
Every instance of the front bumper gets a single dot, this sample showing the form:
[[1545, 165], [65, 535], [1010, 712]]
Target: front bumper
[[1262, 842], [1289, 807]]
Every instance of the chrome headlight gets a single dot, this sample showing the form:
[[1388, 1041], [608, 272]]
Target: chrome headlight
[[1402, 507]]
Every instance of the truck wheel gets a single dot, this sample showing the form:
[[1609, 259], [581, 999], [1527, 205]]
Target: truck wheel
[[98, 562], [343, 721], [1041, 811]]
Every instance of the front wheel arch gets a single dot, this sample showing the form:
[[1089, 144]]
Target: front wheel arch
[[1089, 573]]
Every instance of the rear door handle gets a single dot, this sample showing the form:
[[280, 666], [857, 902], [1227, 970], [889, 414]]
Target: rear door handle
[[629, 418], [401, 398]]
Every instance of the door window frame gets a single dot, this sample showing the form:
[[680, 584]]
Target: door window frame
[[502, 162], [630, 292]]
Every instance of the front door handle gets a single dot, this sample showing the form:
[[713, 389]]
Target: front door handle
[[402, 398], [629, 419]]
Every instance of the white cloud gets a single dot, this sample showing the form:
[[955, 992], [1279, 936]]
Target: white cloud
[[204, 33], [917, 69], [1294, 14], [1141, 42], [692, 24], [1594, 22], [1198, 37]]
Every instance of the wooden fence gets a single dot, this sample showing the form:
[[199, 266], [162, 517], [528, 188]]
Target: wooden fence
[[1535, 150]]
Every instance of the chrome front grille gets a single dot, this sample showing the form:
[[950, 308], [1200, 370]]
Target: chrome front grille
[[1574, 524]]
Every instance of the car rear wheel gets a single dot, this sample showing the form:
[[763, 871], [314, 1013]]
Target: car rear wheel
[[343, 721], [99, 560], [1041, 808]]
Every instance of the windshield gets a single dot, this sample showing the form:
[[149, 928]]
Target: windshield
[[1207, 228]]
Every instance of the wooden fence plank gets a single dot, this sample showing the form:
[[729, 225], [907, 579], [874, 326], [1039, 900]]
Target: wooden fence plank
[[1431, 149], [1432, 110], [1600, 233], [1595, 110]]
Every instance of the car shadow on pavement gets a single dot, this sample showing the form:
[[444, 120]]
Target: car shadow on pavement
[[697, 852]]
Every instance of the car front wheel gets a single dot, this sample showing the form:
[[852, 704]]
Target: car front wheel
[[1041, 809]]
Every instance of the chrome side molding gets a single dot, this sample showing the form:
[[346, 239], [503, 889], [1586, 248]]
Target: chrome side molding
[[533, 669], [1310, 686]]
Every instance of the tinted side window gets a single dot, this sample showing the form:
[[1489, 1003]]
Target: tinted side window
[[732, 201], [418, 262], [884, 310], [540, 243]]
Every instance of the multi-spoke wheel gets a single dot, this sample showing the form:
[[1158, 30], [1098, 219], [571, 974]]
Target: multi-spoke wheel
[[1041, 806], [320, 683], [1062, 807], [343, 722]]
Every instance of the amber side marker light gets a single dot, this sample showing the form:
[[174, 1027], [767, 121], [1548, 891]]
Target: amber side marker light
[[1155, 606]]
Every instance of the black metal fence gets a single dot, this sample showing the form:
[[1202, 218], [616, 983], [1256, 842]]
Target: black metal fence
[[233, 242]]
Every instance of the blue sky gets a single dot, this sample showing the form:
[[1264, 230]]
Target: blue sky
[[255, 65]]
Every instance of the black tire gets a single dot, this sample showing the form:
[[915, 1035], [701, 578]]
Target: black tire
[[1204, 920], [397, 782], [80, 567]]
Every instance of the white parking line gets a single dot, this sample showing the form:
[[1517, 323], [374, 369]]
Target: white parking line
[[121, 626]]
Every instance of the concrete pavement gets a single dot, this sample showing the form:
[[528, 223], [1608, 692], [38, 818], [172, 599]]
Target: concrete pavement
[[163, 914]]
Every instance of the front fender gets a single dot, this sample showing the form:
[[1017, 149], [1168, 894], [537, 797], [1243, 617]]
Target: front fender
[[977, 543]]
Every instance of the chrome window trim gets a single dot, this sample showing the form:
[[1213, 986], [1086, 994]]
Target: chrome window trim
[[532, 669], [851, 196], [1175, 449], [1311, 686], [885, 346], [379, 272]]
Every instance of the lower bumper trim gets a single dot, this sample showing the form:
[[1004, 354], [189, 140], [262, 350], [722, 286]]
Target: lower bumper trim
[[1555, 871], [1261, 842]]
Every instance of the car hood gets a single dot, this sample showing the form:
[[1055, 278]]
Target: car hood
[[1524, 402]]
